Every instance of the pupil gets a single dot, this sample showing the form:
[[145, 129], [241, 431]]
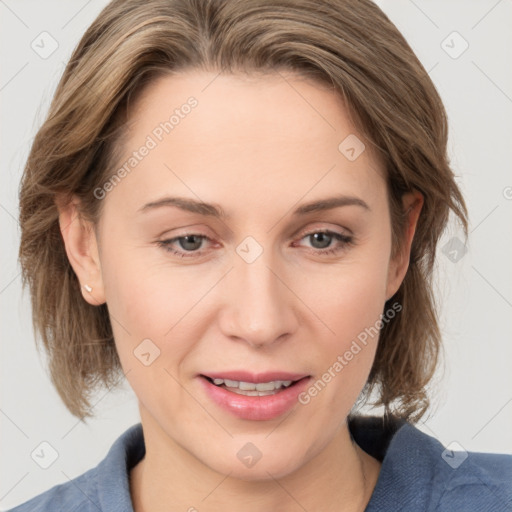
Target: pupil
[[321, 237]]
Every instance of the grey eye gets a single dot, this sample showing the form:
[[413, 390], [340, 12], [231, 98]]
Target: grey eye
[[323, 240], [192, 242]]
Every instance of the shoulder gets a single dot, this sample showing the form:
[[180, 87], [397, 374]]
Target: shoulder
[[102, 488], [482, 481], [450, 477], [419, 473], [72, 496]]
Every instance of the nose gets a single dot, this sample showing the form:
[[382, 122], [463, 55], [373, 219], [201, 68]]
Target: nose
[[258, 305]]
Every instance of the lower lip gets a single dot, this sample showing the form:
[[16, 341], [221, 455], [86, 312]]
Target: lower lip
[[257, 408]]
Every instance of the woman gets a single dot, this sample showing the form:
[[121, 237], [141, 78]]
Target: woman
[[237, 205]]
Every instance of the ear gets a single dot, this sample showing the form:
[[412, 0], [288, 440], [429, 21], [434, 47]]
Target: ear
[[412, 202], [82, 249]]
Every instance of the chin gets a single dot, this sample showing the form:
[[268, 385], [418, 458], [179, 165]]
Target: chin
[[261, 471], [255, 461]]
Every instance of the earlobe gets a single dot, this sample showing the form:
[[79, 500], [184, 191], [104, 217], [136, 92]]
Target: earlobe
[[82, 250], [412, 204]]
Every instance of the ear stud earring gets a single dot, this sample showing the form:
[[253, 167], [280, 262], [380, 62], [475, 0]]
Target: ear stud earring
[[87, 288]]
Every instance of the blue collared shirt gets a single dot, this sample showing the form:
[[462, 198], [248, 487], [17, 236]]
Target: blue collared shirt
[[417, 474]]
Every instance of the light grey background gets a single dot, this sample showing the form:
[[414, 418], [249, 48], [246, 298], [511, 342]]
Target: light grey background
[[473, 400]]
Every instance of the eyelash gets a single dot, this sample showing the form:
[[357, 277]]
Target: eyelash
[[344, 240]]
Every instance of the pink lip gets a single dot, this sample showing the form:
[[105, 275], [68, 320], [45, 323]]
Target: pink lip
[[244, 376], [256, 408]]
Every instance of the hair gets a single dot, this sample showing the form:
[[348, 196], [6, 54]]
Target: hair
[[350, 46]]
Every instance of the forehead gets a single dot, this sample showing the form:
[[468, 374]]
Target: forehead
[[259, 107], [220, 135]]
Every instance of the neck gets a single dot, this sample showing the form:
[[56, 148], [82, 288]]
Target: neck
[[341, 477]]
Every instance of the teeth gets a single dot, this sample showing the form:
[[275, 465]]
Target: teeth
[[252, 386]]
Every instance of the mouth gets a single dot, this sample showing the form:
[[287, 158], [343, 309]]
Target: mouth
[[255, 397], [256, 385]]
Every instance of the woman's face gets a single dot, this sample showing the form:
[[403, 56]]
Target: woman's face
[[256, 288]]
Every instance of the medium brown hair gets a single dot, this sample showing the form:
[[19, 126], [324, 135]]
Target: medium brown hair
[[351, 46]]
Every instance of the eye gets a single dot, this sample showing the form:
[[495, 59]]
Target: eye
[[321, 241], [189, 244]]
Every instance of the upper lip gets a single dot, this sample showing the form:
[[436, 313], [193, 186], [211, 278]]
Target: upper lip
[[244, 376]]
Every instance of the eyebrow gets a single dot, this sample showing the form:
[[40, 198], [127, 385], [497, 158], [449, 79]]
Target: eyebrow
[[216, 211]]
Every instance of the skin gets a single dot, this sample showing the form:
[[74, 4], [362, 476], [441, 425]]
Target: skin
[[254, 146]]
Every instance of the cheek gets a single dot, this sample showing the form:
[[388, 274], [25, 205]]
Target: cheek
[[349, 299], [148, 308], [350, 296], [143, 292], [352, 310], [152, 307], [350, 352]]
